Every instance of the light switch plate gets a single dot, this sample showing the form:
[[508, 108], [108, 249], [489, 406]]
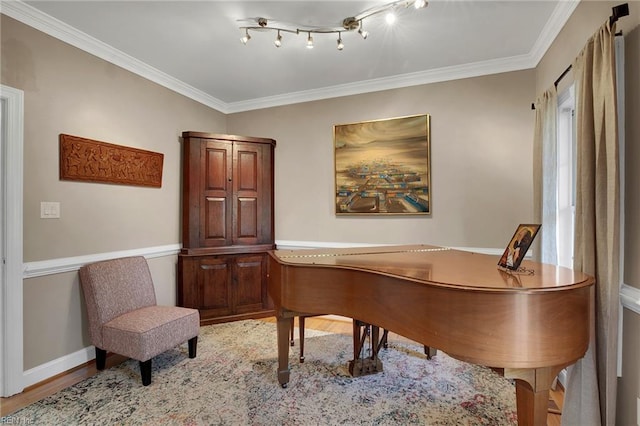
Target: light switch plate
[[49, 210]]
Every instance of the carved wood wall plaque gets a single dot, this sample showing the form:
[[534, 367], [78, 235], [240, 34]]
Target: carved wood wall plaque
[[95, 161]]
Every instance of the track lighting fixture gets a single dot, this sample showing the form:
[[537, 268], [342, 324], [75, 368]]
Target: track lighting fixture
[[246, 37], [278, 41], [419, 4], [390, 18], [364, 33], [349, 24]]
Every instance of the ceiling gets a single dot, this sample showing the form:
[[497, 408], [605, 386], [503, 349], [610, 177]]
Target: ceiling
[[194, 48]]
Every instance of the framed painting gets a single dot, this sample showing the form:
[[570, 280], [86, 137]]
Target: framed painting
[[518, 246], [383, 167]]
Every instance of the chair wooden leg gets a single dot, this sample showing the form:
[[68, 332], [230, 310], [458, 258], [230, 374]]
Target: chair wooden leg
[[101, 358], [145, 372], [193, 346]]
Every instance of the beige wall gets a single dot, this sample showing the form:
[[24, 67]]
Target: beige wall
[[55, 317], [586, 19], [69, 91], [632, 133], [481, 168], [629, 384], [481, 146]]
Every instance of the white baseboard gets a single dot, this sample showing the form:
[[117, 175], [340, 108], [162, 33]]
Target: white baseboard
[[46, 371]]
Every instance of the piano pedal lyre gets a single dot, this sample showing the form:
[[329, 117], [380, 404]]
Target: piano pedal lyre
[[371, 364]]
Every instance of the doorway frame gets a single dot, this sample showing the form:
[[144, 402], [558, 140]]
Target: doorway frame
[[11, 302]]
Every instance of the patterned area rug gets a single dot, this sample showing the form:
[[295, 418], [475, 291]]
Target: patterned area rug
[[233, 382]]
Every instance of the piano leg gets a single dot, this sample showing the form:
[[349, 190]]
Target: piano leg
[[532, 393], [430, 352], [283, 328]]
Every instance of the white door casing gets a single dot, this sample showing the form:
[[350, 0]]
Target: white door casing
[[11, 295]]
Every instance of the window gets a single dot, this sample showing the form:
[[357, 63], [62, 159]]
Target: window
[[566, 151]]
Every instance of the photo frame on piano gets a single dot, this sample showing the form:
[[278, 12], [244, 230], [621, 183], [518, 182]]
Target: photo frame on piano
[[518, 246]]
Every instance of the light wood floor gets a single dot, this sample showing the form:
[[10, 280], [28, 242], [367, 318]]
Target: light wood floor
[[71, 377]]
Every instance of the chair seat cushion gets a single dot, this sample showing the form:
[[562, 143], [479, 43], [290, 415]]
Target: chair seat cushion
[[147, 332]]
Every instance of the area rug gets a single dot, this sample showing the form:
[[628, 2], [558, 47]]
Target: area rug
[[232, 381]]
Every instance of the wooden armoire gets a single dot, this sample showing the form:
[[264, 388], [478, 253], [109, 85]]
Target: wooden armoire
[[227, 226]]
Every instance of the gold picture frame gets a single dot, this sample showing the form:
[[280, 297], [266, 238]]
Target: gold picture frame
[[383, 167]]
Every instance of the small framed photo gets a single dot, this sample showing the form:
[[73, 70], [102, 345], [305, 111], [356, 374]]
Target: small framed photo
[[518, 246]]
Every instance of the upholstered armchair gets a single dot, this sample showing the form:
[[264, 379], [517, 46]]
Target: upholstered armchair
[[124, 317]]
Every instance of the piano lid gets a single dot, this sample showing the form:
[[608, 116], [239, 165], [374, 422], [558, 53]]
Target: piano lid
[[438, 265]]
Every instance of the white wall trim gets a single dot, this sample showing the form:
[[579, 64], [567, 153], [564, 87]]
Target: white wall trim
[[514, 63], [11, 357], [293, 244], [559, 17], [62, 31], [60, 365], [70, 264], [630, 298], [49, 25]]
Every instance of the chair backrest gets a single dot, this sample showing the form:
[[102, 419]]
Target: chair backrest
[[114, 287]]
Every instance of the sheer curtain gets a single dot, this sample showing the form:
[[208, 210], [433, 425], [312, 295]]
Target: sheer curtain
[[590, 397], [545, 179]]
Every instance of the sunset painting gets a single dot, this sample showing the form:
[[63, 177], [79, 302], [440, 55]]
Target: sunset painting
[[383, 166]]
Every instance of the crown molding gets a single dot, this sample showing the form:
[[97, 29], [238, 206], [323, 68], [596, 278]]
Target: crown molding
[[559, 17], [64, 32], [49, 25], [496, 66]]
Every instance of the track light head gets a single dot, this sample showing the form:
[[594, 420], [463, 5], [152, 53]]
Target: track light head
[[278, 41], [390, 18], [419, 4], [309, 41], [340, 44], [246, 37]]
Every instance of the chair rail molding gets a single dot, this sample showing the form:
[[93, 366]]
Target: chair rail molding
[[70, 264], [292, 245], [630, 298]]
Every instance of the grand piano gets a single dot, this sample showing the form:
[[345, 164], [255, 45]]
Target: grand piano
[[526, 324]]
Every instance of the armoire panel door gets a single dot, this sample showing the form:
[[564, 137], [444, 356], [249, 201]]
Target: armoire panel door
[[214, 279], [216, 208], [247, 197], [250, 293]]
